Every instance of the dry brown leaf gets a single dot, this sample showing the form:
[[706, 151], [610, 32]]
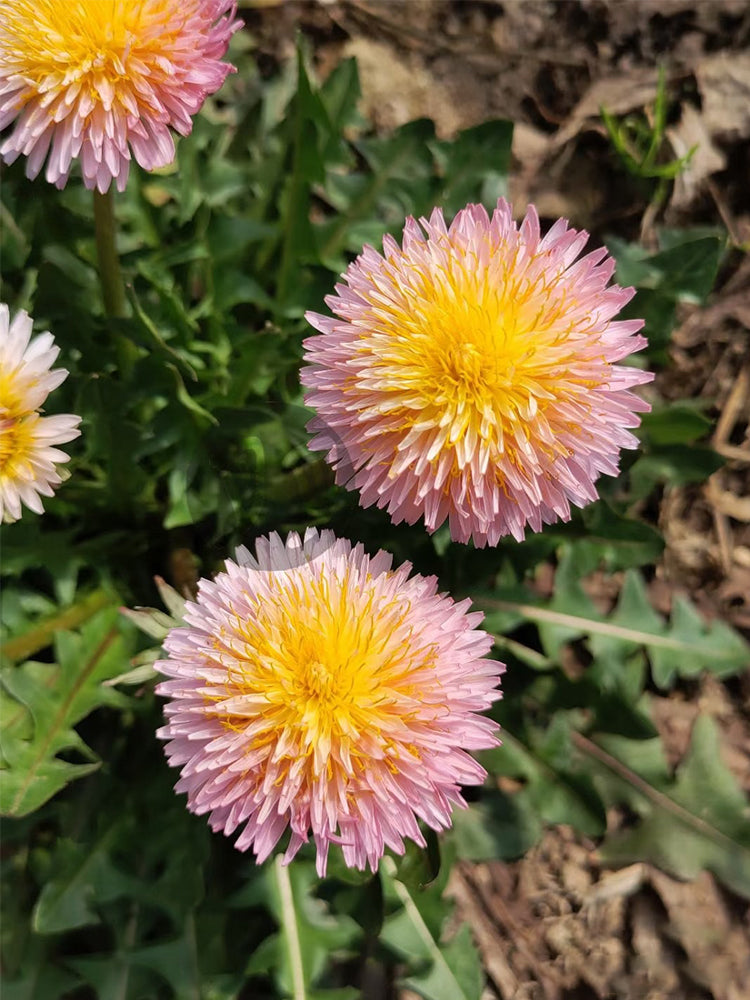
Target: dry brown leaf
[[397, 89], [728, 503], [724, 82], [692, 133], [718, 948], [647, 936], [491, 944], [618, 95]]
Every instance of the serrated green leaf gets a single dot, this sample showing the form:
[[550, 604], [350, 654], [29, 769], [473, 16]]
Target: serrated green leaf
[[84, 879], [553, 791], [418, 866], [462, 959], [701, 820], [266, 957], [28, 546], [714, 646], [176, 961], [41, 703], [682, 271], [681, 647], [675, 465], [29, 637], [600, 537], [340, 95], [571, 602], [688, 269], [113, 976], [475, 165], [307, 168], [400, 182]]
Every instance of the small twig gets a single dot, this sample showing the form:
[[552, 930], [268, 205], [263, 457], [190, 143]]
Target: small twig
[[546, 974], [592, 749], [735, 403], [730, 413], [723, 210], [733, 452], [488, 941], [726, 540]]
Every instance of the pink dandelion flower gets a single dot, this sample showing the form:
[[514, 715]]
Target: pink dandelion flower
[[101, 79], [316, 689], [471, 374], [28, 453]]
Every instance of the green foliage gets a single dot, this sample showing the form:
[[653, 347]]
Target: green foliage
[[309, 933], [112, 889], [40, 703], [582, 744], [639, 140], [413, 930], [683, 647], [696, 821], [683, 270]]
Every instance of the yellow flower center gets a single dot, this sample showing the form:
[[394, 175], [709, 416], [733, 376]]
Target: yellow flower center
[[319, 669], [14, 390], [16, 438], [476, 346], [87, 46]]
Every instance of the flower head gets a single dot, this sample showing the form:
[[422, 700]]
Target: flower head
[[28, 456], [316, 689], [101, 79], [471, 374], [26, 375]]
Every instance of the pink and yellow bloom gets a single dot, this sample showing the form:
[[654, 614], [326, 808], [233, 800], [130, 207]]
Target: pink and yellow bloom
[[104, 80], [28, 453], [315, 689], [471, 373]]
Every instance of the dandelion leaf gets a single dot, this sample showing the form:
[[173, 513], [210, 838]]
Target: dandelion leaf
[[40, 704]]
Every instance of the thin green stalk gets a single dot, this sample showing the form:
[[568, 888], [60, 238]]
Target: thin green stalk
[[298, 195], [289, 928], [110, 275], [432, 948], [24, 646], [656, 797], [591, 626]]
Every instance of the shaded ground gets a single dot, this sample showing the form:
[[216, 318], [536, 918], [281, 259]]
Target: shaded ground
[[555, 924]]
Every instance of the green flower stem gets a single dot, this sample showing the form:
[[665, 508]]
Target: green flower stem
[[110, 275], [24, 646], [113, 290], [289, 929]]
